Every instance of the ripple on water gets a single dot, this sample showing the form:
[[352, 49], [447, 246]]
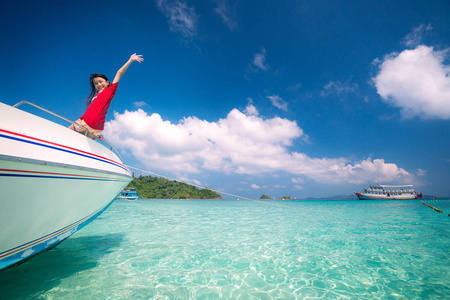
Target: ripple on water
[[246, 250]]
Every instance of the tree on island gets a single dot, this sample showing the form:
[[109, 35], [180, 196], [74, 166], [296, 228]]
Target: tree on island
[[265, 197], [149, 187]]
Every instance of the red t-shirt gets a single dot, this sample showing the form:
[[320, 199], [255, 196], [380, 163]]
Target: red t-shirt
[[95, 114]]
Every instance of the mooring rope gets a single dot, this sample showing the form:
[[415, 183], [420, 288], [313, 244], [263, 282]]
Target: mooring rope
[[225, 193]]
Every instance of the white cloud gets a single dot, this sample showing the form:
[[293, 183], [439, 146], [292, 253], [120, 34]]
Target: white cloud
[[277, 186], [278, 102], [339, 89], [295, 87], [140, 104], [255, 186], [181, 17], [335, 170], [251, 109], [421, 172], [259, 62], [226, 13], [415, 37], [190, 181], [417, 81], [237, 144], [297, 180]]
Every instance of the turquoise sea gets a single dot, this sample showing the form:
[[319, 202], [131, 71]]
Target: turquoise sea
[[211, 249]]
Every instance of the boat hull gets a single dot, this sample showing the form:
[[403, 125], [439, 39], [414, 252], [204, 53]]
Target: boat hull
[[53, 182], [128, 198], [362, 196]]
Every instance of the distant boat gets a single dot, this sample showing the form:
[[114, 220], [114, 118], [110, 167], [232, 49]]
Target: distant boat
[[388, 192], [53, 182], [128, 194]]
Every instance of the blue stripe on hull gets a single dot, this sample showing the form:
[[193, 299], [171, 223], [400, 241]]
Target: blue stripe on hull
[[58, 177]]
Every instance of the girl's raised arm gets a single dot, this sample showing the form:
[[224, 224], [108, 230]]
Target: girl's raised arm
[[122, 70]]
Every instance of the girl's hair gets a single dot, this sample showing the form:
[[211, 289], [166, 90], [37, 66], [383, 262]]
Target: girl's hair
[[93, 89]]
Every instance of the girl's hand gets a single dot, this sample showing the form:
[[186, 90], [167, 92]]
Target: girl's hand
[[137, 58], [122, 70]]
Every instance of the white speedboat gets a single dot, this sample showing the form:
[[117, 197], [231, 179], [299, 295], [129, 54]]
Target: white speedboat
[[53, 181], [388, 192]]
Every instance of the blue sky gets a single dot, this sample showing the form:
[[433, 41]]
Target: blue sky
[[299, 98]]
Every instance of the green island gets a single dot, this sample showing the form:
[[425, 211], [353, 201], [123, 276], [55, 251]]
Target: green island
[[149, 187], [265, 197]]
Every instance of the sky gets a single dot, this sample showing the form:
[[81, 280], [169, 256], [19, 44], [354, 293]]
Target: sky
[[282, 98]]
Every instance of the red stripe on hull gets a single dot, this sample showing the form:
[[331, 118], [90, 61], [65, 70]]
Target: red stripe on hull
[[62, 146]]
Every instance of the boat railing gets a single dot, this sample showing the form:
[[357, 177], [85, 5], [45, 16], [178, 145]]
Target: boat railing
[[70, 121]]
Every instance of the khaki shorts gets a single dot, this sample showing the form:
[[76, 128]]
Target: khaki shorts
[[92, 132]]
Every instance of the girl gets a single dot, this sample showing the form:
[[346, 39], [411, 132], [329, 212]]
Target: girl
[[98, 102]]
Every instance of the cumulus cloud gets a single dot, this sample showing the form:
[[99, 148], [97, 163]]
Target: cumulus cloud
[[417, 81], [237, 144], [333, 171], [181, 17], [226, 13], [251, 109], [278, 102]]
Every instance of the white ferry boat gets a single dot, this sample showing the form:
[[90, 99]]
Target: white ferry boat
[[128, 194], [53, 182], [388, 192]]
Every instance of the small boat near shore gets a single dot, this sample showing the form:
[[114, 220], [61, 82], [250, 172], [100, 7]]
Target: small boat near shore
[[388, 192], [128, 194], [53, 182]]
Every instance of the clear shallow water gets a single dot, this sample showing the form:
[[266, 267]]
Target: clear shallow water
[[168, 249]]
